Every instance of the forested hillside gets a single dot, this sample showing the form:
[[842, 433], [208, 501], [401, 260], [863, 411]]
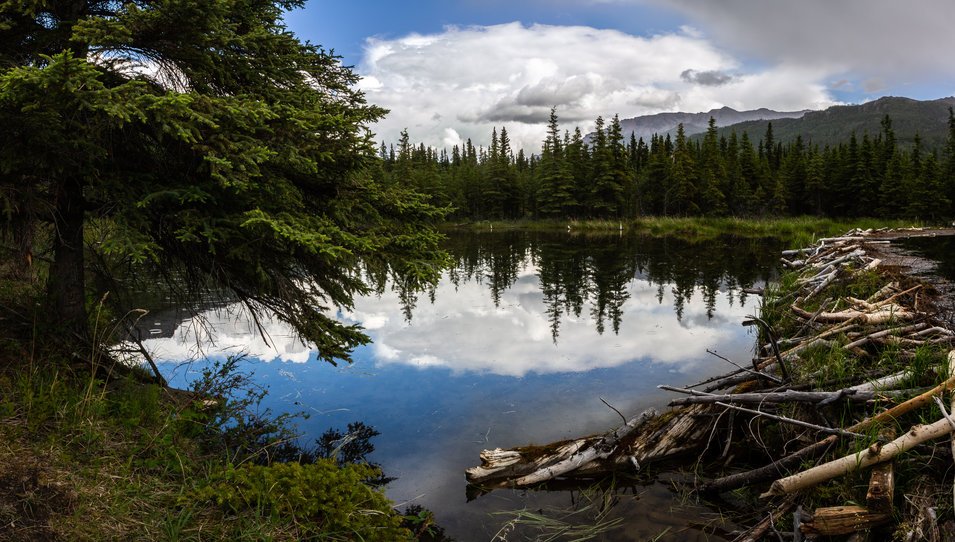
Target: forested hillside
[[739, 174], [836, 124]]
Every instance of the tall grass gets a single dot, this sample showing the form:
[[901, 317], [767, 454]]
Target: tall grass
[[800, 231]]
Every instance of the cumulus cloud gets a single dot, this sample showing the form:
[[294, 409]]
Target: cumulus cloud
[[470, 79]]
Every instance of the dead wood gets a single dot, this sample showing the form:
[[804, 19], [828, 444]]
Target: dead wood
[[881, 488], [760, 529], [859, 460], [838, 520], [788, 396], [599, 450]]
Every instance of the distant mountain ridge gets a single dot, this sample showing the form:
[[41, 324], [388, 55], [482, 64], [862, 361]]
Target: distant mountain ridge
[[645, 126], [928, 118]]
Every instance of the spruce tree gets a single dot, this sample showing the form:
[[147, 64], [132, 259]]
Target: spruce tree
[[682, 192], [712, 172], [214, 151], [555, 196]]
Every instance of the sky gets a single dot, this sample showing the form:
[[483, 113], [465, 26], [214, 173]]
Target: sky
[[452, 70]]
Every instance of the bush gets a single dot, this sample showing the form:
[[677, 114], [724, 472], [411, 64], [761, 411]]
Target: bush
[[322, 498]]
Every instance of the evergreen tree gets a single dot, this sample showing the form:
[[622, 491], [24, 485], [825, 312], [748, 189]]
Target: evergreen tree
[[749, 175], [712, 173], [948, 173], [681, 197], [579, 166], [236, 161], [555, 192]]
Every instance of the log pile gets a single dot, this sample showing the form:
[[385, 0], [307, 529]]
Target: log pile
[[840, 305]]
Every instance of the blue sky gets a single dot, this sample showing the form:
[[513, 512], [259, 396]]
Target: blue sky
[[454, 70], [345, 25]]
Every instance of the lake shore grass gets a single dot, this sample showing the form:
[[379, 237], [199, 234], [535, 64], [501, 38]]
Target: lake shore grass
[[799, 230], [89, 458]]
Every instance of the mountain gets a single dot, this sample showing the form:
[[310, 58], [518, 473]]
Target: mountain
[[694, 123], [835, 125]]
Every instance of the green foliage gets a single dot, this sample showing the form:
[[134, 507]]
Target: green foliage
[[331, 498], [135, 466], [212, 151], [720, 173]]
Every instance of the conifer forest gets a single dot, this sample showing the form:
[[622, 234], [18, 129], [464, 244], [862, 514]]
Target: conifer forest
[[613, 177]]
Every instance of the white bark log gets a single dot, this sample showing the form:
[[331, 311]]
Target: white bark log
[[600, 450], [860, 460]]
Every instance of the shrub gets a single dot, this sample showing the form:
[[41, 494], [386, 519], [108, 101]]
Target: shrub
[[322, 497]]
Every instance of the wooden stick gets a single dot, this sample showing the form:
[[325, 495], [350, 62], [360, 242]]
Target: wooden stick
[[886, 313], [821, 429], [759, 530], [886, 332], [787, 396], [744, 369]]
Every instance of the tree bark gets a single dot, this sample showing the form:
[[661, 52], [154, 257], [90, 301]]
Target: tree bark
[[66, 286]]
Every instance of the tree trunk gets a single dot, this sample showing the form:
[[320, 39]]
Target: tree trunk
[[66, 286]]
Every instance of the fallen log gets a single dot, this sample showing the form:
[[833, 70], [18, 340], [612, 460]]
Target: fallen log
[[531, 465], [859, 460], [887, 313], [788, 396], [837, 520], [501, 464], [599, 450]]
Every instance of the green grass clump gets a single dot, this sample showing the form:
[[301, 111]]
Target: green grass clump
[[322, 497], [86, 460]]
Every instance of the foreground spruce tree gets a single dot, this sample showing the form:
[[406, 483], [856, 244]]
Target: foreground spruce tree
[[201, 142]]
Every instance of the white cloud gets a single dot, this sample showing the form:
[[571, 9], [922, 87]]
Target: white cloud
[[509, 74]]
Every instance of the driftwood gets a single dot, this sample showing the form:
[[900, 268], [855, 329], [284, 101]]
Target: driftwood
[[887, 313], [770, 471], [860, 460], [881, 490], [837, 520], [520, 468], [599, 450], [788, 396]]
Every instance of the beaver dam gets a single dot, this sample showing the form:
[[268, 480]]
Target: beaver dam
[[841, 424]]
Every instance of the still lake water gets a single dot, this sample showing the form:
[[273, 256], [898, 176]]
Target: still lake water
[[516, 345]]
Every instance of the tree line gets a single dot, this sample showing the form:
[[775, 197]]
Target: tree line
[[612, 177]]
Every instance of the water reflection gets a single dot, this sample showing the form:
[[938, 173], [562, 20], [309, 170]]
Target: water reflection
[[516, 345]]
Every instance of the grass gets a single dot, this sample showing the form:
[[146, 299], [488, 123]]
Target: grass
[[82, 459], [801, 231]]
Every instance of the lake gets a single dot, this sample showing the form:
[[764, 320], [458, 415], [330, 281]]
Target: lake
[[521, 342]]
